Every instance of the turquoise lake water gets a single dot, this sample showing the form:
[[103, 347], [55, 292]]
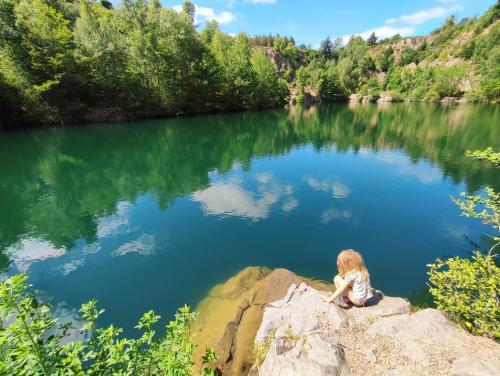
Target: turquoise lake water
[[151, 214]]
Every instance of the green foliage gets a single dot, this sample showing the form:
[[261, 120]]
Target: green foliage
[[486, 155], [326, 49], [467, 290], [372, 39], [32, 342], [429, 83], [384, 59], [371, 87], [270, 90], [486, 208], [60, 58], [354, 63]]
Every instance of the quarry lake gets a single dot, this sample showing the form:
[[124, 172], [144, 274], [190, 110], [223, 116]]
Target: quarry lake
[[152, 214]]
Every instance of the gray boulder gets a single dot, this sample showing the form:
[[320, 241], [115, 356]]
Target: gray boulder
[[313, 355], [468, 366], [301, 311], [355, 98], [388, 306]]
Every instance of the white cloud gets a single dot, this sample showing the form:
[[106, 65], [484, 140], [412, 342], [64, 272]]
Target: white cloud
[[331, 214], [115, 222], [290, 204], [143, 245], [424, 15], [383, 32], [231, 199], [316, 184], [262, 1], [425, 173], [31, 250], [71, 266], [338, 190], [208, 14]]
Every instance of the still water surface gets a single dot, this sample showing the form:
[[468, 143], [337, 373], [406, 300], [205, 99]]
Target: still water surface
[[152, 214]]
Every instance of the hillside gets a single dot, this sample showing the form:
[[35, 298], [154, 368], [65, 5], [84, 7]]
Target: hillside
[[459, 60], [63, 61]]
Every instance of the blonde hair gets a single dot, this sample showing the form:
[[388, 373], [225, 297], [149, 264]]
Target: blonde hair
[[351, 261]]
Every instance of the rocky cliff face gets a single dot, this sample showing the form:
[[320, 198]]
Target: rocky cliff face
[[232, 312], [275, 323], [306, 336]]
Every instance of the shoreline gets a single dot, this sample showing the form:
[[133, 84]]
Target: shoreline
[[274, 322], [129, 117]]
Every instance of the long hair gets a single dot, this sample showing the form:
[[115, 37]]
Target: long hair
[[351, 261]]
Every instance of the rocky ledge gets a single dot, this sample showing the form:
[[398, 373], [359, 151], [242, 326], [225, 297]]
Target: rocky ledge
[[303, 335], [271, 323]]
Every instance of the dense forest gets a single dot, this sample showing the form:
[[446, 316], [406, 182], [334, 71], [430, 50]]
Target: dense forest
[[64, 61]]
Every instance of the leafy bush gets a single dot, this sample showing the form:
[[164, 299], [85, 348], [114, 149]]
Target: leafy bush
[[371, 87], [31, 341], [468, 289]]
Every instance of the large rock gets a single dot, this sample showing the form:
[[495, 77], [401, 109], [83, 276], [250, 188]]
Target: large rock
[[428, 336], [231, 314], [312, 355], [387, 97], [429, 325], [301, 311], [468, 366], [418, 332], [355, 98], [388, 306]]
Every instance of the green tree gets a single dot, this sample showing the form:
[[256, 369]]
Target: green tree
[[372, 39], [270, 90], [36, 53], [189, 8], [233, 55], [326, 48], [30, 341], [101, 55]]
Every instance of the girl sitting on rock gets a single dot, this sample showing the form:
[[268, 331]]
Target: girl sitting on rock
[[352, 284]]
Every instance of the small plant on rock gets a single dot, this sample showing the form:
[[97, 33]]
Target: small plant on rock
[[261, 348]]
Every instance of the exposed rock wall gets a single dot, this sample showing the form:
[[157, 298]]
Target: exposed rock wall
[[297, 333], [310, 337], [232, 312]]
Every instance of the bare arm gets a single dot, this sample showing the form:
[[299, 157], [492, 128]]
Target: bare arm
[[337, 292]]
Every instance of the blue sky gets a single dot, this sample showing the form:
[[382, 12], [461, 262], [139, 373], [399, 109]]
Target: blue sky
[[310, 21]]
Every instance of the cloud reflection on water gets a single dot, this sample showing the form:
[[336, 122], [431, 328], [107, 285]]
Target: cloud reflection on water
[[338, 189], [29, 250], [230, 198]]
